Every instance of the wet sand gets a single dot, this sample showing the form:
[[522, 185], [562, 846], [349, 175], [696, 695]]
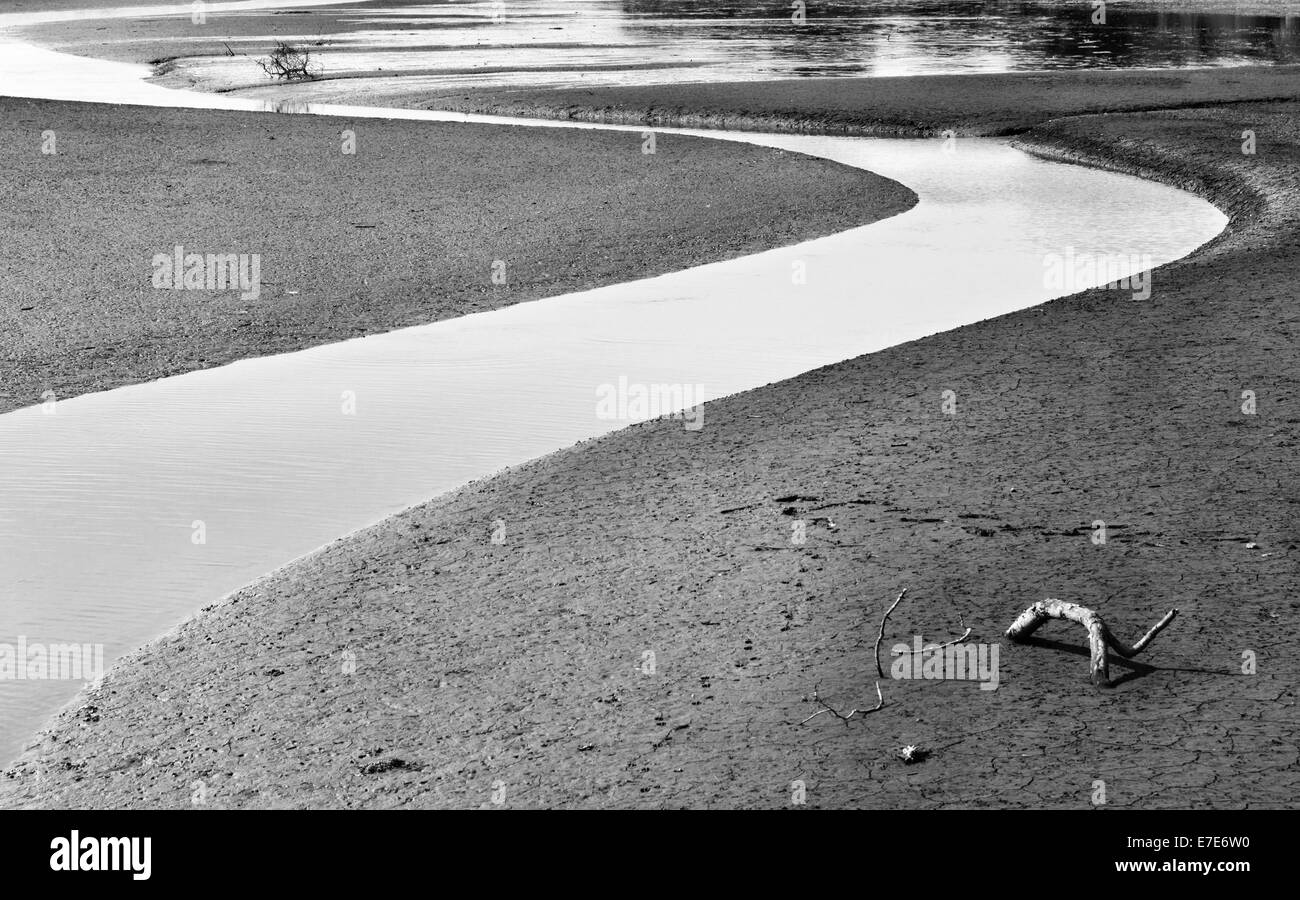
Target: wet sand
[[404, 231], [1002, 104], [648, 633]]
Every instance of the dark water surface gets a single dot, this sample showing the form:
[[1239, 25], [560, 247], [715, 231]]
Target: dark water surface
[[540, 43], [900, 37]]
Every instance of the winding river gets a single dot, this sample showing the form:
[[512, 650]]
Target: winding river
[[99, 501]]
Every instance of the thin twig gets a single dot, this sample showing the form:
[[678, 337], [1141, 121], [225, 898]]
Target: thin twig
[[881, 635], [880, 702], [956, 640]]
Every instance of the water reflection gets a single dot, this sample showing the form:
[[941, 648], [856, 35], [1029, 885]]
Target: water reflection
[[544, 43], [910, 37]]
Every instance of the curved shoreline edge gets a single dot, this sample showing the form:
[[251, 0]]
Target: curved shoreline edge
[[983, 105], [376, 233], [559, 667], [1245, 203]]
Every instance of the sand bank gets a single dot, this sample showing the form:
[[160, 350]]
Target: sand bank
[[999, 104], [403, 231], [649, 634]]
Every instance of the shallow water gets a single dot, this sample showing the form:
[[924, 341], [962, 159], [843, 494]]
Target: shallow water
[[103, 497], [589, 42]]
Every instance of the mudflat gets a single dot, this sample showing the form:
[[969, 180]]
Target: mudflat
[[408, 228], [665, 608], [994, 104]]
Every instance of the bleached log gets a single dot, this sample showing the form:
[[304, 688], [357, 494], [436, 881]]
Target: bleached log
[[1099, 634]]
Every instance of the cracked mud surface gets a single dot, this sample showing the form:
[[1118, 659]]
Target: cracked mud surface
[[403, 232], [519, 669]]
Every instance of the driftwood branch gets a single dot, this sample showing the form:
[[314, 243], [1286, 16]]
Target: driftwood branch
[[1099, 635], [961, 640], [843, 717], [880, 636], [880, 697]]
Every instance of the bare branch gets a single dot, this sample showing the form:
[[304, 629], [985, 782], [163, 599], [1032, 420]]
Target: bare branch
[[1099, 634], [881, 635], [959, 640], [288, 62], [880, 702]]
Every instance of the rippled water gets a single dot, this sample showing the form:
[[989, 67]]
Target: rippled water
[[531, 43], [102, 499]]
